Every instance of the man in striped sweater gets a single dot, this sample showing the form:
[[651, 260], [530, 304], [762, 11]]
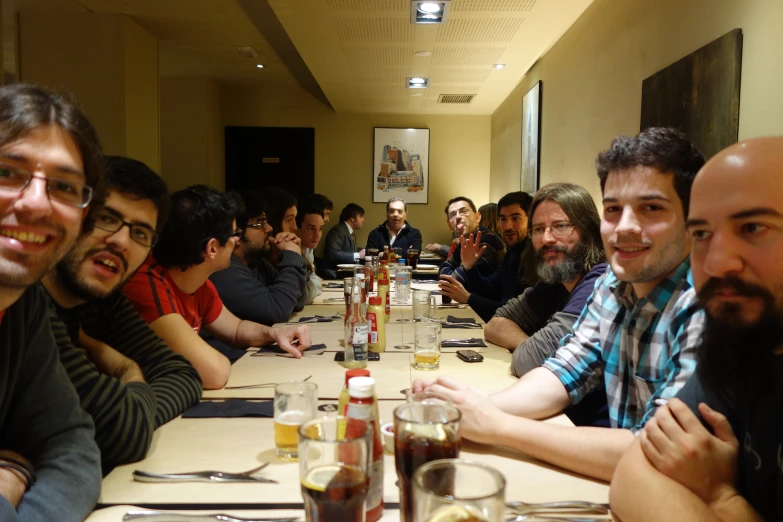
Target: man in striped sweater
[[126, 376]]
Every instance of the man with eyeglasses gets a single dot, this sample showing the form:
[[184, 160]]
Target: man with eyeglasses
[[50, 174], [485, 294], [252, 288], [635, 338], [128, 380], [395, 232], [173, 293]]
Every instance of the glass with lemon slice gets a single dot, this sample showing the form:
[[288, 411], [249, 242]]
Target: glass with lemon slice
[[334, 455]]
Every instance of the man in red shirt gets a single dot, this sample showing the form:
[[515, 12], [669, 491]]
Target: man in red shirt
[[172, 292]]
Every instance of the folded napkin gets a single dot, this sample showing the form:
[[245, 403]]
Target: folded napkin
[[230, 408], [316, 319], [273, 349], [456, 321], [472, 343]]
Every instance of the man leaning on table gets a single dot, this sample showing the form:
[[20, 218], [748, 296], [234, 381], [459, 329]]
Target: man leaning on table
[[173, 294], [637, 334], [714, 452], [128, 380], [51, 172], [340, 247]]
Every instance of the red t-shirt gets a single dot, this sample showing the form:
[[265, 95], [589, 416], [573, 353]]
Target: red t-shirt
[[153, 294]]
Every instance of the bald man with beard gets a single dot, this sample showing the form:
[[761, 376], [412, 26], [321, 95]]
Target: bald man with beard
[[714, 453]]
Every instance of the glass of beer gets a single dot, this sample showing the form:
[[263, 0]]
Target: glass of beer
[[453, 490], [295, 403], [423, 304], [424, 430], [333, 468], [413, 258], [426, 348]]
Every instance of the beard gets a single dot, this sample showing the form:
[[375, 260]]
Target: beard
[[67, 273], [734, 354], [562, 271]]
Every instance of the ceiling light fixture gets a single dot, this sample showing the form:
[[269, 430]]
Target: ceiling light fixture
[[422, 53], [417, 82], [429, 12], [260, 66], [499, 65], [416, 94]]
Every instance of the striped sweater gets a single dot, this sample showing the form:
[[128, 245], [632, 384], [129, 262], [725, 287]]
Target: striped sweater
[[125, 415]]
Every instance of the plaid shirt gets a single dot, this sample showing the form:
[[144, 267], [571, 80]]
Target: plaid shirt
[[639, 350]]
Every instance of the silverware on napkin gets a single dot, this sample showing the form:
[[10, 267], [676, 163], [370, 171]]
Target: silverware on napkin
[[165, 516]]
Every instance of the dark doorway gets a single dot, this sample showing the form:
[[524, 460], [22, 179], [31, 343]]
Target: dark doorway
[[264, 157]]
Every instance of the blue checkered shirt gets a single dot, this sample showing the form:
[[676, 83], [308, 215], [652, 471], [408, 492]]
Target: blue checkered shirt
[[638, 350]]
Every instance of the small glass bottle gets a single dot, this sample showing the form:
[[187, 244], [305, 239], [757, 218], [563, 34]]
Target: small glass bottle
[[356, 330], [368, 275]]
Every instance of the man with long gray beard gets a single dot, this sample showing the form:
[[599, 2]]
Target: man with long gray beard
[[727, 467], [127, 378]]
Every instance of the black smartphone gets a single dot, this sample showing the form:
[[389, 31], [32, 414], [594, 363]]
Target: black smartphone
[[470, 355], [371, 356]]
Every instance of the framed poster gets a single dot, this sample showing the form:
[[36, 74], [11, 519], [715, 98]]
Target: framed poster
[[531, 140], [401, 165]]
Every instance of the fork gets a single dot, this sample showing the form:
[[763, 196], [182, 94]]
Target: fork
[[260, 385], [524, 508], [165, 516], [203, 476]]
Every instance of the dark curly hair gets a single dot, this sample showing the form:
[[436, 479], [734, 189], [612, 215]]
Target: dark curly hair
[[665, 149], [134, 179], [198, 214], [253, 205], [25, 107]]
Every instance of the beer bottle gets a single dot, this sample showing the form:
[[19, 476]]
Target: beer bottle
[[368, 275], [356, 330], [362, 406]]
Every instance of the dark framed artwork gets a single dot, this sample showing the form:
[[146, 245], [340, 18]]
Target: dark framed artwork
[[699, 94], [401, 164], [530, 169]]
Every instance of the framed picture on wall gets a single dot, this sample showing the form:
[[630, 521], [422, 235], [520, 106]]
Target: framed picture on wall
[[531, 140], [401, 164]]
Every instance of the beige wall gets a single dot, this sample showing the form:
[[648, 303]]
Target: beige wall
[[191, 133], [592, 80], [109, 64], [459, 152]]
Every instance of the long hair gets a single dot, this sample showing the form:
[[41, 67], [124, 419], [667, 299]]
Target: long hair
[[489, 218], [579, 206]]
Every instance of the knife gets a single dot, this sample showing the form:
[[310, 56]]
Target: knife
[[165, 516]]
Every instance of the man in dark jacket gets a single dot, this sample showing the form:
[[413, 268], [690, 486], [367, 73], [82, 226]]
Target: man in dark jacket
[[251, 288], [395, 232], [486, 294], [461, 212], [341, 241]]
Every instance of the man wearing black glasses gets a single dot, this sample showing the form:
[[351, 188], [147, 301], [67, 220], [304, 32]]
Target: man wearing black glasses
[[50, 174], [173, 293], [128, 379]]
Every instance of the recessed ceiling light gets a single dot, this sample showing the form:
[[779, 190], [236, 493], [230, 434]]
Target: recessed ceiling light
[[422, 53], [417, 83], [260, 66], [429, 12], [499, 65]]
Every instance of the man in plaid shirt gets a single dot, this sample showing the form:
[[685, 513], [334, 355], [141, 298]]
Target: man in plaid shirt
[[637, 334]]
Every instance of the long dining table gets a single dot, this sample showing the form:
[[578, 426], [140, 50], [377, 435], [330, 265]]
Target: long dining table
[[238, 444]]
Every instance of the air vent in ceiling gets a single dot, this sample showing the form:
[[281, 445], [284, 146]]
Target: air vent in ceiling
[[456, 98], [247, 52]]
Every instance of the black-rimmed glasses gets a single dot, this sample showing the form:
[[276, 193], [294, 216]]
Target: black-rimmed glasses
[[141, 234], [69, 192], [261, 224], [237, 234]]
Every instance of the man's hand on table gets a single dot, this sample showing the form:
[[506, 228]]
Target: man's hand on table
[[13, 484], [479, 413], [293, 340]]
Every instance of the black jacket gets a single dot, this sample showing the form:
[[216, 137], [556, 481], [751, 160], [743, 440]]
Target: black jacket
[[338, 249], [490, 259], [408, 237], [487, 294]]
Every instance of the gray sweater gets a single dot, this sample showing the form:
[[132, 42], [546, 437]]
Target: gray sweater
[[40, 418]]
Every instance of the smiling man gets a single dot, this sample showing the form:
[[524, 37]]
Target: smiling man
[[129, 381], [486, 294], [636, 336], [253, 288], [51, 171], [678, 469], [395, 232]]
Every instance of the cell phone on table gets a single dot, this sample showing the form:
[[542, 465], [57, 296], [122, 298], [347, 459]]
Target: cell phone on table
[[470, 355], [371, 356]]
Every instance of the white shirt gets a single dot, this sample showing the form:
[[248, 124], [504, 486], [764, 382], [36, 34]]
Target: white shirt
[[392, 235], [350, 231]]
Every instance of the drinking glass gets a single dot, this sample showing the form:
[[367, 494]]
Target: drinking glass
[[424, 431], [295, 403], [426, 348], [424, 305], [458, 490], [347, 285], [333, 468], [413, 258]]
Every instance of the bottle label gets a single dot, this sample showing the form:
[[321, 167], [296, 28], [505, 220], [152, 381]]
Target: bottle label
[[360, 411], [373, 320], [360, 335]]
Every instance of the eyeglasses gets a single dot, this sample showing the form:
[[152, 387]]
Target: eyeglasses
[[464, 211], [237, 234], [261, 224], [68, 192], [141, 234], [559, 230]]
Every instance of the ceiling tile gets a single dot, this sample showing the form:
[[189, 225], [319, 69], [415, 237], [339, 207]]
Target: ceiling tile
[[375, 56], [380, 75], [440, 76], [384, 103], [492, 5], [464, 30], [374, 29], [368, 5], [466, 55]]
